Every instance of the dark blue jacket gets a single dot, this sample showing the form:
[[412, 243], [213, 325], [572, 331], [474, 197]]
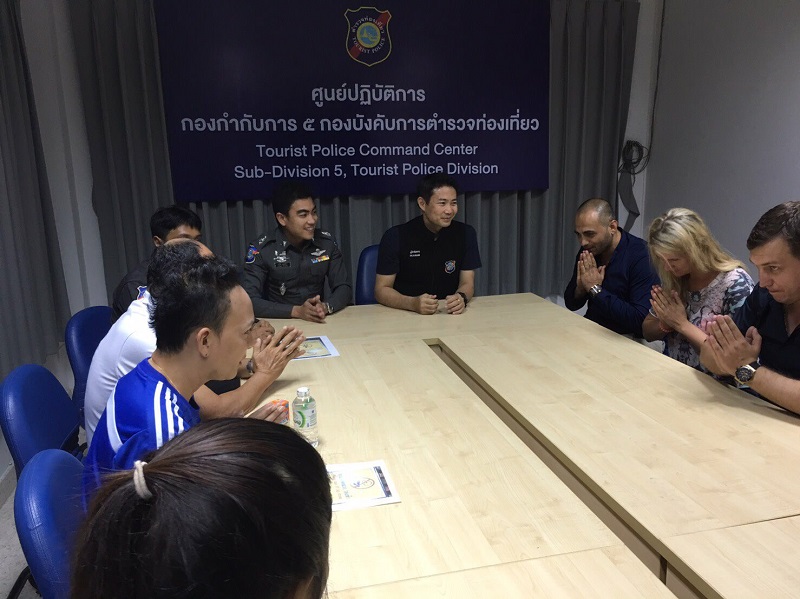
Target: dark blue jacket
[[625, 299]]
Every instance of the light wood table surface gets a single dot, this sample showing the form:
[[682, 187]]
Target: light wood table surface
[[668, 449], [376, 321], [754, 560], [473, 496], [609, 572]]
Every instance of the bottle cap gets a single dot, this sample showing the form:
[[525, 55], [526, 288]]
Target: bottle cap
[[302, 391]]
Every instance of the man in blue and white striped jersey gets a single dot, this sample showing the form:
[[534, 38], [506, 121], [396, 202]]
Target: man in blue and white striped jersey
[[203, 321]]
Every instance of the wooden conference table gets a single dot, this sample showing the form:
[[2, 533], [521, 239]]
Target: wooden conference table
[[686, 471]]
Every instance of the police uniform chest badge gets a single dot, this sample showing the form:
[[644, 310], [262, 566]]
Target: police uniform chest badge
[[319, 256], [283, 289], [252, 252], [450, 266], [281, 260]]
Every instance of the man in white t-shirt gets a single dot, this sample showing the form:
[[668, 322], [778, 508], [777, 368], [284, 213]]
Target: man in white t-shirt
[[131, 340]]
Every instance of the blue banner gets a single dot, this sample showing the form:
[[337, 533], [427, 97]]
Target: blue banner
[[355, 99]]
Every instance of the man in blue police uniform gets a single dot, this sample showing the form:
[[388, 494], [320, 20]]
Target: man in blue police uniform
[[612, 271], [430, 258], [285, 271], [166, 224], [760, 345]]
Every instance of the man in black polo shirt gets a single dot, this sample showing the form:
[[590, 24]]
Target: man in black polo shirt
[[431, 257], [760, 346]]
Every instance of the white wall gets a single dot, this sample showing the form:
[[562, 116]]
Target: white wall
[[727, 133]]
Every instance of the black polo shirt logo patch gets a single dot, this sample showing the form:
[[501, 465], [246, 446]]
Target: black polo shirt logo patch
[[414, 254], [450, 266]]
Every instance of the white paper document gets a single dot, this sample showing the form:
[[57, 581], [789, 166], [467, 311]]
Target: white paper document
[[318, 347], [360, 485]]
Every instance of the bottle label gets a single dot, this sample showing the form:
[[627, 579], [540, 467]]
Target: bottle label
[[305, 417]]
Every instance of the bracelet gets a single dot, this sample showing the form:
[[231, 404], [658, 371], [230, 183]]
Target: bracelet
[[664, 329], [595, 290]]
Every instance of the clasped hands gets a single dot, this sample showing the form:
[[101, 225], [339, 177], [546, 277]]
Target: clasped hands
[[729, 348], [668, 308], [270, 357], [588, 273], [312, 310], [429, 304]]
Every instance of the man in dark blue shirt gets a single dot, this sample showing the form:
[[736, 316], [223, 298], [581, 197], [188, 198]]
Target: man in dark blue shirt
[[612, 271], [760, 346]]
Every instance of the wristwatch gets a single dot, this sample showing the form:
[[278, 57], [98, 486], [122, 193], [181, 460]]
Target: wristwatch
[[595, 290], [328, 308], [744, 374], [463, 296]]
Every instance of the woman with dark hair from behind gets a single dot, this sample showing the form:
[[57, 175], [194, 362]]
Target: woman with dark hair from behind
[[232, 507]]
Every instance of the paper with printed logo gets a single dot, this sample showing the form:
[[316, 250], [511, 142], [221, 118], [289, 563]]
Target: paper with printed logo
[[360, 485], [318, 347]]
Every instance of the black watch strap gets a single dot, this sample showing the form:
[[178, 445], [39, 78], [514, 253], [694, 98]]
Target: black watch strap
[[463, 296]]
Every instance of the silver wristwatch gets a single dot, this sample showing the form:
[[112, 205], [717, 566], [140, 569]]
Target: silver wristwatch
[[595, 290], [744, 374], [328, 308]]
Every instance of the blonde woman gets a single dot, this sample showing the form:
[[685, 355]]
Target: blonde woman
[[699, 280]]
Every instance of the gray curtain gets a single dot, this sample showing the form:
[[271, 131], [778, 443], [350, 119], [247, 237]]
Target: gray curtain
[[34, 308], [525, 237]]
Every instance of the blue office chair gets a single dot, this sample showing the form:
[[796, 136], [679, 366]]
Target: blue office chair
[[48, 512], [365, 278], [36, 413], [85, 330]]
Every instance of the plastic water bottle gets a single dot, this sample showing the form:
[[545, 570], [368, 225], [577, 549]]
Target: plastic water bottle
[[304, 410]]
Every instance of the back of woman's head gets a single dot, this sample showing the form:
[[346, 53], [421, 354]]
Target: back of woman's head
[[235, 508], [682, 232]]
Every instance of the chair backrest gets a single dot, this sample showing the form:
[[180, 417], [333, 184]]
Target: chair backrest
[[48, 512], [36, 413], [365, 278], [85, 330]]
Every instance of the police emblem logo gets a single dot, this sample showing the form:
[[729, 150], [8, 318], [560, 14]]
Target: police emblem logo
[[252, 251], [368, 40], [140, 291], [450, 266], [281, 259], [282, 290]]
